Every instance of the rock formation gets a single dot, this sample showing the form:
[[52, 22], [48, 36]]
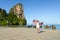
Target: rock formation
[[18, 10]]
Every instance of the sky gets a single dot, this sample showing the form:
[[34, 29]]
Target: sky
[[47, 11]]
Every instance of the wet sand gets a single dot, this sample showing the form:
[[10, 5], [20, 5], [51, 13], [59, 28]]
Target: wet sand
[[8, 33]]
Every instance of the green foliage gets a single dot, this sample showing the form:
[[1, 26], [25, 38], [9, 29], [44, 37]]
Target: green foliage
[[3, 22], [3, 14], [12, 19], [22, 22]]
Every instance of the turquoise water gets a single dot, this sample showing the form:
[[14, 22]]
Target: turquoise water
[[57, 27]]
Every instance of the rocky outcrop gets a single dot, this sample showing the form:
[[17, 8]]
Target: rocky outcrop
[[18, 10]]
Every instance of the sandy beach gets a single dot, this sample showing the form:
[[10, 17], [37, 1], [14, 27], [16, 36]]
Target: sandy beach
[[8, 33]]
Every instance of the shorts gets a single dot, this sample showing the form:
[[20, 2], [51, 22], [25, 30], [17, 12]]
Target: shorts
[[40, 26]]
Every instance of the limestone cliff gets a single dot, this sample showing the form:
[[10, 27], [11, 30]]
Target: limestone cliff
[[18, 10]]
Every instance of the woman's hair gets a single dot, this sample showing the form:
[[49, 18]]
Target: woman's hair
[[33, 20], [37, 20]]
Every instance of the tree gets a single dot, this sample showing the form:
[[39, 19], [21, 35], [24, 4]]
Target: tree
[[12, 19], [3, 15], [22, 22]]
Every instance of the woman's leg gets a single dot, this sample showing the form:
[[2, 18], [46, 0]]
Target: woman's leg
[[38, 29]]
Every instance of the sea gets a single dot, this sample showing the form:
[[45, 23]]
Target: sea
[[56, 25]]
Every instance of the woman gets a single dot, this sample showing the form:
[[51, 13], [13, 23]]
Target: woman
[[36, 22], [38, 26]]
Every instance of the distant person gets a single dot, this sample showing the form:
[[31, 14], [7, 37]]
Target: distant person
[[46, 27], [53, 27], [41, 24]]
